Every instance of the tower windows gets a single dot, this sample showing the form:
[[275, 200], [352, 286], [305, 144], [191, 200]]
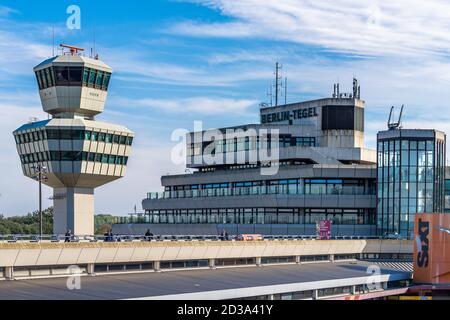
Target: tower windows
[[72, 76]]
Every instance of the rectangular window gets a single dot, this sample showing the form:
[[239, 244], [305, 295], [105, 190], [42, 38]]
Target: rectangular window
[[91, 157], [62, 76], [99, 81], [129, 141], [116, 139], [108, 138], [94, 136], [101, 137], [98, 157], [92, 75], [105, 158], [86, 76], [106, 81]]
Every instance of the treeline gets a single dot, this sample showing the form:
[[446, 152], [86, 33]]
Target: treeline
[[29, 224]]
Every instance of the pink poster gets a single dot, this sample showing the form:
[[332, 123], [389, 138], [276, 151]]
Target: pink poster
[[325, 229]]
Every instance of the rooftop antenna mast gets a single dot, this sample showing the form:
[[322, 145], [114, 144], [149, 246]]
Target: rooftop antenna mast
[[278, 68], [53, 41], [398, 124], [285, 90]]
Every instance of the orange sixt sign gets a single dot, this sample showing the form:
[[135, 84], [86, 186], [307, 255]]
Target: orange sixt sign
[[432, 248]]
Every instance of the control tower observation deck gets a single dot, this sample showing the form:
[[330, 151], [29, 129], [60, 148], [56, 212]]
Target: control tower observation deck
[[76, 152]]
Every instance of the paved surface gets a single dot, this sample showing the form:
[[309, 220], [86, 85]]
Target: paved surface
[[127, 286]]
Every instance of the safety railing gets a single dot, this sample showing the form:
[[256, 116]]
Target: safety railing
[[131, 238]]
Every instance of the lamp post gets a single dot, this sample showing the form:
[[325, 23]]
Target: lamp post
[[40, 171]]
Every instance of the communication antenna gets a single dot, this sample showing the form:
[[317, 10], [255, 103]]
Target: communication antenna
[[398, 124], [278, 68], [53, 41], [285, 90], [270, 94]]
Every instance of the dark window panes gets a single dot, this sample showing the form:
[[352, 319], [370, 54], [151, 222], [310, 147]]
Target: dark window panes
[[98, 157], [112, 159], [108, 138], [39, 80], [43, 79], [91, 157], [67, 156], [86, 76], [123, 139], [49, 78], [55, 156], [106, 81], [52, 134], [94, 136], [116, 139], [125, 161], [17, 139], [99, 81], [78, 134], [78, 156], [87, 135], [105, 158], [66, 134], [129, 141], [101, 137], [92, 75], [119, 160], [62, 76], [75, 75]]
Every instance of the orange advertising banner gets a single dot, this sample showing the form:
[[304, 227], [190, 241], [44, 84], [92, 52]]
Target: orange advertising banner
[[432, 248]]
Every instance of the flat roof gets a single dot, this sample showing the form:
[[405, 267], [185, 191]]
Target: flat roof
[[222, 283]]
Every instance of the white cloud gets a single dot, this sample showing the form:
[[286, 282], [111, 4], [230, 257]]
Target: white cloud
[[369, 27], [200, 105]]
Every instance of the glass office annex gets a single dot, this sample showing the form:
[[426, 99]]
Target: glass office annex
[[410, 178]]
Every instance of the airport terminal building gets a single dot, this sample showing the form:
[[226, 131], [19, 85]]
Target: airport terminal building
[[322, 171]]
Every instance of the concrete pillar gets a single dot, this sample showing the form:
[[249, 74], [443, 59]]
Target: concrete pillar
[[74, 210], [258, 262], [212, 263], [353, 290], [157, 266], [315, 294], [331, 257], [9, 273], [270, 296], [297, 260], [90, 269]]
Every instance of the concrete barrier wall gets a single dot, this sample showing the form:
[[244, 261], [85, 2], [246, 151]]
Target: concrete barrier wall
[[47, 254]]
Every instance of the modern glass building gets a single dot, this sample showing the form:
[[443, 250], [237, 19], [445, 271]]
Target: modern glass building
[[410, 177], [316, 168]]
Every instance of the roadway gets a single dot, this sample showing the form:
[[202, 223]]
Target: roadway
[[222, 283]]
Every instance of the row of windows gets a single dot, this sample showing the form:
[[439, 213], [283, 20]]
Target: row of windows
[[247, 143], [258, 216], [294, 186], [73, 156], [68, 134], [72, 76]]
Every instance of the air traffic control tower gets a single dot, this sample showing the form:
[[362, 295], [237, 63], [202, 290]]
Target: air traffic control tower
[[77, 152]]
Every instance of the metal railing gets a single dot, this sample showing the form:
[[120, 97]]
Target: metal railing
[[131, 238]]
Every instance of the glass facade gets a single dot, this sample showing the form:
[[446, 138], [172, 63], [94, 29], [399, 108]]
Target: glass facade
[[72, 134], [72, 76], [291, 186], [447, 196], [349, 216], [410, 178], [72, 156], [249, 143]]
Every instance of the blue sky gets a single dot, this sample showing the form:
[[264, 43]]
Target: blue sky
[[212, 60]]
